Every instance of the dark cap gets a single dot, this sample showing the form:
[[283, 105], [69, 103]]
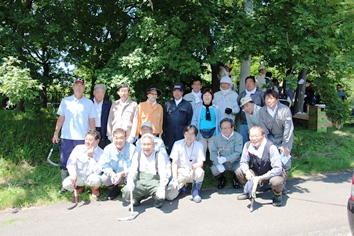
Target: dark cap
[[152, 88], [178, 86], [79, 81]]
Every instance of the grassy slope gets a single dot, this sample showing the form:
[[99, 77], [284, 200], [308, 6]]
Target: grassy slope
[[26, 179]]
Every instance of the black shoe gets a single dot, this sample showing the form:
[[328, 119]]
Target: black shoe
[[113, 194], [222, 183], [235, 183], [277, 200]]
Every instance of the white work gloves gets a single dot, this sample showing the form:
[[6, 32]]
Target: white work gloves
[[221, 160], [160, 193]]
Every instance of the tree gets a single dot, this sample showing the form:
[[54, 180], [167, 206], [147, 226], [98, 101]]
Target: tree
[[16, 82], [315, 36]]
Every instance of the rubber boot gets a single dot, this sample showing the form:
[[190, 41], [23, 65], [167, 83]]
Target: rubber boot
[[63, 174], [157, 202], [195, 191], [277, 199]]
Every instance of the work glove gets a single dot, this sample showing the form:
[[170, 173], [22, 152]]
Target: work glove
[[220, 168], [228, 111], [221, 160], [160, 193]]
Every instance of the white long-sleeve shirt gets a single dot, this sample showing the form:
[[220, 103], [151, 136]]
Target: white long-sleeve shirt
[[79, 163]]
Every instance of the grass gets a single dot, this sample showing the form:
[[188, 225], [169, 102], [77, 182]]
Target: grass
[[26, 179]]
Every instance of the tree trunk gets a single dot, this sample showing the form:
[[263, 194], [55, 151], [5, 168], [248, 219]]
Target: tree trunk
[[244, 72], [20, 106], [215, 83]]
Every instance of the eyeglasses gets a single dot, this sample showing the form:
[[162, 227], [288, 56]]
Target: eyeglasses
[[154, 94]]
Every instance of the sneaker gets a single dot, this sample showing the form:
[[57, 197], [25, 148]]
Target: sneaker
[[113, 194], [61, 191], [277, 200], [242, 197], [197, 199]]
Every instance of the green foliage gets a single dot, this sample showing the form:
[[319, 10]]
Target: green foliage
[[117, 41], [16, 82], [336, 109]]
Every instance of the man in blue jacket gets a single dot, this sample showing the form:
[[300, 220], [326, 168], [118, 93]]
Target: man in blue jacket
[[177, 114]]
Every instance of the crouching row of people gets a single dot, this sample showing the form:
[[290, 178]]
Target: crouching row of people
[[146, 170]]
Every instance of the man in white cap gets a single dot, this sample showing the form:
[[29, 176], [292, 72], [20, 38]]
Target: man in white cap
[[146, 128], [252, 112], [76, 115], [258, 99], [147, 175], [260, 78], [177, 113], [226, 99]]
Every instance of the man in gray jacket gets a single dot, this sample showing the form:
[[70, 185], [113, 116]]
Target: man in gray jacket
[[195, 96], [276, 120], [226, 153]]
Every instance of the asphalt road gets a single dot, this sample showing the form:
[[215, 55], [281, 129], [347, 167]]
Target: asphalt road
[[315, 206]]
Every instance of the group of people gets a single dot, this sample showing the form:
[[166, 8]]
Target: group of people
[[156, 151]]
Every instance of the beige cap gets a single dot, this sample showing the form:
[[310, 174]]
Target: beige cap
[[245, 100]]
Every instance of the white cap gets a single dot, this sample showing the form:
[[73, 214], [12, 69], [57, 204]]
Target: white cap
[[262, 67], [245, 100], [147, 124], [226, 79]]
